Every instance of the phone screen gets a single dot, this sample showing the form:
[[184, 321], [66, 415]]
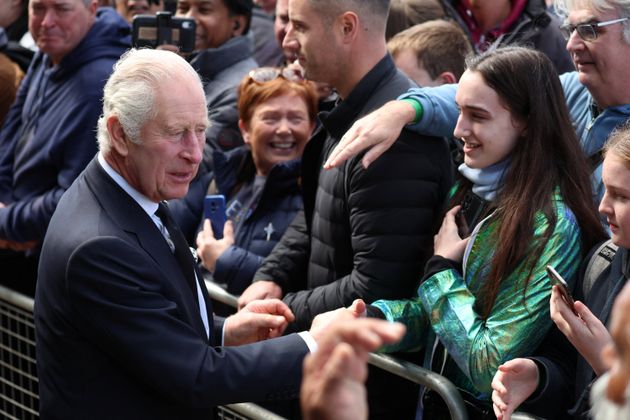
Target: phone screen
[[557, 279]]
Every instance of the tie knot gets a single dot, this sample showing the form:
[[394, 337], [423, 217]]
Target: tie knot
[[162, 211]]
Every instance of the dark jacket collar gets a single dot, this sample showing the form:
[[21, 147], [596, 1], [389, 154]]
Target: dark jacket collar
[[339, 120]]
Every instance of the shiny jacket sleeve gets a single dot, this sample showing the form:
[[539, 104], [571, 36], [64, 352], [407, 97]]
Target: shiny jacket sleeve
[[519, 319]]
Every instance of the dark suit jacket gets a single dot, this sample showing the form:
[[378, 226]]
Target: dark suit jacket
[[119, 334]]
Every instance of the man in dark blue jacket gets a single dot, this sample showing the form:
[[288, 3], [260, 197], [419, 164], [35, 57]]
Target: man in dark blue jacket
[[48, 135]]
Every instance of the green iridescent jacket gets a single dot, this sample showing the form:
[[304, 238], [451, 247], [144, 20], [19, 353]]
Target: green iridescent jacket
[[518, 321]]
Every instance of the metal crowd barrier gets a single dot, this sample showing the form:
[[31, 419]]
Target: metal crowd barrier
[[403, 368], [18, 374], [407, 370], [19, 398]]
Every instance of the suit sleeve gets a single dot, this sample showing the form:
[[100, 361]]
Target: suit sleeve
[[393, 207], [287, 263], [124, 305]]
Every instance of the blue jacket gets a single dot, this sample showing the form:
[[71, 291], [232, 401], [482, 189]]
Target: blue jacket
[[593, 126], [61, 105], [263, 227]]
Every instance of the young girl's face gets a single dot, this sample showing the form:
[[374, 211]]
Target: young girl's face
[[615, 204], [486, 127]]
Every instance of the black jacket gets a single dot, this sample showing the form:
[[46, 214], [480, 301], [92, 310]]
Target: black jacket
[[363, 233]]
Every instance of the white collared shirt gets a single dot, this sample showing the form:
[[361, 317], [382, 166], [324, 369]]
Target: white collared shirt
[[150, 207]]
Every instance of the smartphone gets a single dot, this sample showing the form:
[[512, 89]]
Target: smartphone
[[152, 31], [563, 286], [469, 214], [214, 209]]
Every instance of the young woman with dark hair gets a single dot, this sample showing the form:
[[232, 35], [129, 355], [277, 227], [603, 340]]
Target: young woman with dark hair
[[524, 199]]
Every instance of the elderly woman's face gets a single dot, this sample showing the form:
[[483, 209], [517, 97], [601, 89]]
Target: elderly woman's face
[[277, 131]]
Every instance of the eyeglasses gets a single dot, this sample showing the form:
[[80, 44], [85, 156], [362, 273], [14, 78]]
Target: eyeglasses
[[267, 74], [587, 31]]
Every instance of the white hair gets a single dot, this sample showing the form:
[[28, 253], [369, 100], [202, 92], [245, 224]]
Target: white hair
[[564, 7], [130, 91]]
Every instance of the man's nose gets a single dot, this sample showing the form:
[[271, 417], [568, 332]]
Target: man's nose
[[193, 147], [290, 42], [49, 18]]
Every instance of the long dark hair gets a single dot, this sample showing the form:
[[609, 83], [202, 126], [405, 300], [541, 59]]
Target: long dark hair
[[547, 157]]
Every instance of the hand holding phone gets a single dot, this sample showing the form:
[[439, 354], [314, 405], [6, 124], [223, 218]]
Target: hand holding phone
[[557, 280], [214, 209], [163, 28]]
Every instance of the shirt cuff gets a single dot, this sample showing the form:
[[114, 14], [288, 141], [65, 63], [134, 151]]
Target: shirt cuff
[[309, 340]]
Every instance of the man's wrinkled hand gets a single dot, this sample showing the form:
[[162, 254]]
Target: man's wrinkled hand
[[259, 320]]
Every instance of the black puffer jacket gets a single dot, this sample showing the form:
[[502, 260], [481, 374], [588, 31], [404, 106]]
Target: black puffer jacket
[[364, 233]]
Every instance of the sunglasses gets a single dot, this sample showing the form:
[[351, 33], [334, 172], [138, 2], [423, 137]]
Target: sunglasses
[[267, 74], [587, 31]]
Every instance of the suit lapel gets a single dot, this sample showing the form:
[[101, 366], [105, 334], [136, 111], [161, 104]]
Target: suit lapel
[[134, 220]]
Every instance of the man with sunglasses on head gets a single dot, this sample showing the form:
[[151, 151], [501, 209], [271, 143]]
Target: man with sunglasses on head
[[364, 233], [597, 93]]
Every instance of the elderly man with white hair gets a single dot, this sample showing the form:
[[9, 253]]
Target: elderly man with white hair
[[123, 321]]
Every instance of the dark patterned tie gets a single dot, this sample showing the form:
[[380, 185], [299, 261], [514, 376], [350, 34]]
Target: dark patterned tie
[[182, 251]]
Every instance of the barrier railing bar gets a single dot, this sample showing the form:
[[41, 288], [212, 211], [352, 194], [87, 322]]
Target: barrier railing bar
[[18, 315], [253, 411], [216, 292], [407, 370], [17, 354], [19, 388], [18, 336], [17, 299], [424, 377], [18, 371], [5, 415], [17, 404]]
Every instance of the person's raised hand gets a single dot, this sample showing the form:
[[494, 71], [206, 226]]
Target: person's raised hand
[[378, 130], [586, 332], [512, 384], [209, 249], [259, 320]]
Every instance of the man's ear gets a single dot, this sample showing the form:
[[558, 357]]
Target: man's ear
[[238, 25], [446, 78], [117, 137], [244, 131], [349, 22], [92, 7]]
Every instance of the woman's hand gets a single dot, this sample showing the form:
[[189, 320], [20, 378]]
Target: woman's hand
[[209, 249], [587, 333], [379, 129], [447, 243]]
